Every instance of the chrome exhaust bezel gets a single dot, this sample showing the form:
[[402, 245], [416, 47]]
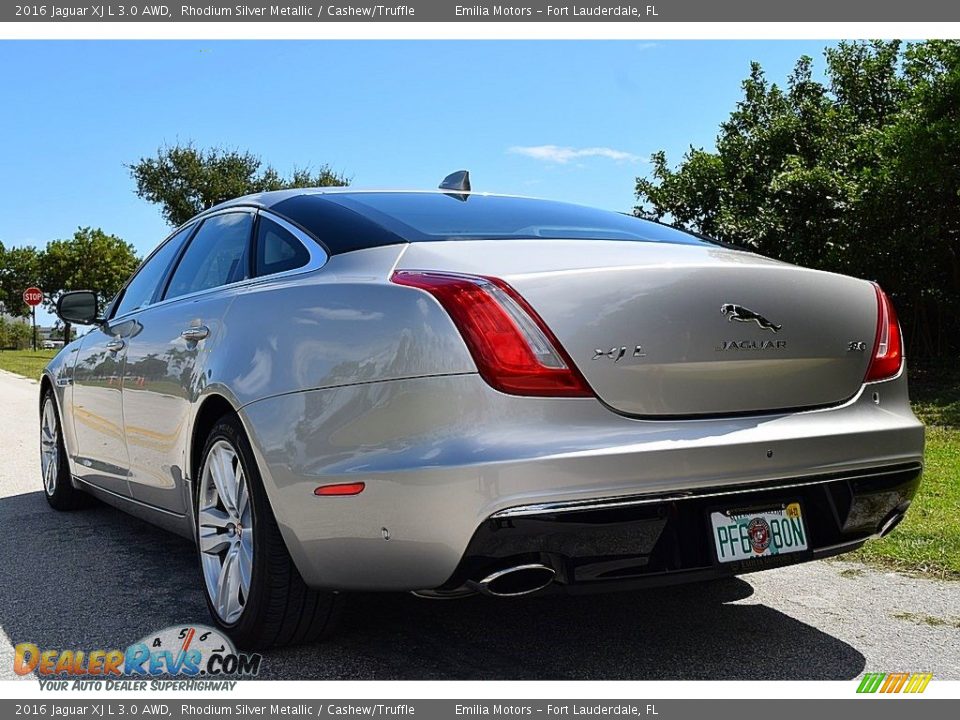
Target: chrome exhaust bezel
[[484, 586]]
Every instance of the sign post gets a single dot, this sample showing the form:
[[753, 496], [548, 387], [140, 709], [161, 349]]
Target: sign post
[[33, 296]]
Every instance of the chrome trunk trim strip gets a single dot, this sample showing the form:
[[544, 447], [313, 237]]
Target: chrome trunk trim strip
[[619, 501]]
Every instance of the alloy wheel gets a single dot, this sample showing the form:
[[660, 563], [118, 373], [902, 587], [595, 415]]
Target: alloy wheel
[[225, 525], [49, 447]]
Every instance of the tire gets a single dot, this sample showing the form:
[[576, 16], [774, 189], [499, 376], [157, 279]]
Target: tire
[[260, 601], [54, 466]]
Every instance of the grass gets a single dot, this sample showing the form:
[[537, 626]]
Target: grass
[[928, 540], [931, 620], [25, 362]]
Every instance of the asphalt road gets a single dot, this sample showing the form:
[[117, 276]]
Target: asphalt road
[[100, 579]]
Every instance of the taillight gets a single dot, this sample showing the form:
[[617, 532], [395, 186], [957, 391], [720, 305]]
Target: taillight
[[888, 348], [514, 350]]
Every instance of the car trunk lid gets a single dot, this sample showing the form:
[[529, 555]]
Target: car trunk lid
[[671, 330]]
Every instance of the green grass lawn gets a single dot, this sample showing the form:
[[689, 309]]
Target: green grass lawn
[[928, 540], [25, 362]]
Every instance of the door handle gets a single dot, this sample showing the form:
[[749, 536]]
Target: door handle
[[116, 345], [194, 334]]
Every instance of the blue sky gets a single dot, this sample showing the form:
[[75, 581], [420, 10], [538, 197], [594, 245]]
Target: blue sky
[[565, 120]]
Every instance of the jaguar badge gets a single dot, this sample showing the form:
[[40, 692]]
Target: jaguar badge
[[741, 314]]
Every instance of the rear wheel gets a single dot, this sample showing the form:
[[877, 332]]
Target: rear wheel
[[253, 590], [57, 487]]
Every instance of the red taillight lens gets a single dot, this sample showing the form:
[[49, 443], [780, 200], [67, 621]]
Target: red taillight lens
[[888, 348], [514, 350]]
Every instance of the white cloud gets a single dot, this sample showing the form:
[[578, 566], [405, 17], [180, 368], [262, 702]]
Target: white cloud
[[561, 155]]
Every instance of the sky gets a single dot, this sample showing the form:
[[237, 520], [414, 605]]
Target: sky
[[566, 120]]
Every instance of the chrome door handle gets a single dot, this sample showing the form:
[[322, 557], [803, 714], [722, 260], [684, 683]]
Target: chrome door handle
[[116, 345], [194, 334]]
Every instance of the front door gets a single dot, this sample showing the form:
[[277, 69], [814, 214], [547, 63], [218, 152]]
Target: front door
[[101, 456]]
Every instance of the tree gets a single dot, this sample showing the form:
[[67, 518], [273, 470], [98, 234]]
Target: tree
[[90, 260], [15, 334], [859, 174], [184, 180], [20, 335], [19, 269]]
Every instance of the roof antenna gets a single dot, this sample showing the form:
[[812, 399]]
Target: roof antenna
[[460, 181]]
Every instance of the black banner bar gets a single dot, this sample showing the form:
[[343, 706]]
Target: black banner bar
[[562, 709], [482, 11]]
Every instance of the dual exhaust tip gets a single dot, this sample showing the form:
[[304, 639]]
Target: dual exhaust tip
[[515, 581]]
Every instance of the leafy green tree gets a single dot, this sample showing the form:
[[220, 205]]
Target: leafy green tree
[[19, 269], [858, 174], [22, 335], [185, 180], [15, 335], [90, 260]]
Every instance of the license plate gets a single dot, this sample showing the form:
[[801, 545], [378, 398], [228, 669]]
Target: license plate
[[742, 535]]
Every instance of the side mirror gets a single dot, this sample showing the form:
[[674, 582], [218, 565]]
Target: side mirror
[[79, 307]]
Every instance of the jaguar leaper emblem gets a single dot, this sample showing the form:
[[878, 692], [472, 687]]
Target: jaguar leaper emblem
[[742, 314]]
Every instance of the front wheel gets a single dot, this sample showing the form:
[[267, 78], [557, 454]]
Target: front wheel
[[57, 488], [253, 590]]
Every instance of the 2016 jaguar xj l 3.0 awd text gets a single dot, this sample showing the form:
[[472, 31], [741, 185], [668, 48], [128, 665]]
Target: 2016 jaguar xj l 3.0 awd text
[[450, 393]]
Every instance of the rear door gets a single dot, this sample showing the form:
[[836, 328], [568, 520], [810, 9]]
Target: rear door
[[163, 375]]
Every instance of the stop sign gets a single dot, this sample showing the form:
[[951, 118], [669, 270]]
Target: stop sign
[[33, 296]]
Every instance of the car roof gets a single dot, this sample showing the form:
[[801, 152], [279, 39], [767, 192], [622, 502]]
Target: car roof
[[339, 229], [342, 220], [274, 197]]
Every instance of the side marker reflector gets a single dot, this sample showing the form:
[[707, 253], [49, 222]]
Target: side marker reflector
[[341, 489]]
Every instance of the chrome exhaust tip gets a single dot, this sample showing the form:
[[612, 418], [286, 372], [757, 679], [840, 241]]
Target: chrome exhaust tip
[[516, 581]]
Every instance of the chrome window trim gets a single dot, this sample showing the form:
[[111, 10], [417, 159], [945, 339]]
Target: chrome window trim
[[318, 255], [619, 501], [119, 296], [318, 258]]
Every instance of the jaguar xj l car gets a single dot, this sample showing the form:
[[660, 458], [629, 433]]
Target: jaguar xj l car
[[451, 393]]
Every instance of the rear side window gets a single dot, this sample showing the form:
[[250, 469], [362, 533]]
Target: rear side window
[[216, 256], [277, 249], [142, 289]]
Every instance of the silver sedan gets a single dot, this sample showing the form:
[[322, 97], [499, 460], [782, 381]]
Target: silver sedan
[[451, 393]]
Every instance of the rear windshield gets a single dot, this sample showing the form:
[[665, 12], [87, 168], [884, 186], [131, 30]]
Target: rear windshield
[[441, 216]]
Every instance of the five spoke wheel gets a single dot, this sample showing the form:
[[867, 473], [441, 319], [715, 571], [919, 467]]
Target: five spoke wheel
[[49, 446], [225, 524]]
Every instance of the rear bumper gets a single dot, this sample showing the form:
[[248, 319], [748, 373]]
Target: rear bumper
[[442, 457], [640, 541]]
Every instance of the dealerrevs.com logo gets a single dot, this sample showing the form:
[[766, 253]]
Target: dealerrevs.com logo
[[192, 651]]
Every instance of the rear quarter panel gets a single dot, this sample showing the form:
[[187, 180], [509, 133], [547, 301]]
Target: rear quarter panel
[[341, 325]]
